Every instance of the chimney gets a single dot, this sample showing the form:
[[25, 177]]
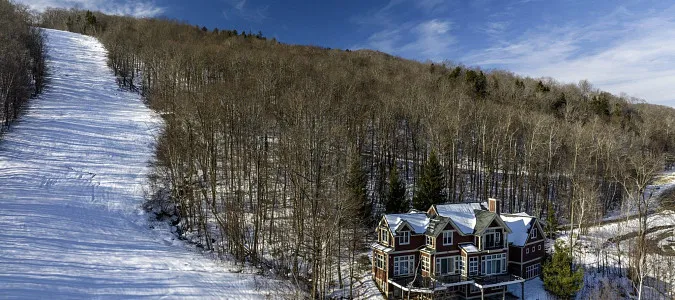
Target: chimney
[[493, 205]]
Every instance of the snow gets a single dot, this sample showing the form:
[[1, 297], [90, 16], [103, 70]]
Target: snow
[[469, 248], [534, 290], [519, 225], [418, 221], [461, 214], [72, 173], [378, 246]]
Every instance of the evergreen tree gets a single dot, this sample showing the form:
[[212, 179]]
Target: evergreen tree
[[396, 201], [559, 276], [356, 184], [91, 19], [551, 221], [431, 184]]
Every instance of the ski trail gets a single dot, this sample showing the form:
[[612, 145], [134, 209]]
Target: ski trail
[[71, 183]]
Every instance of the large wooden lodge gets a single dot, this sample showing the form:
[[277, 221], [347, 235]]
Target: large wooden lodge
[[456, 251]]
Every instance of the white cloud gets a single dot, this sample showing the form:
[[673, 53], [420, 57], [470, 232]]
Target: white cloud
[[635, 55], [429, 38], [116, 7], [432, 6], [241, 9]]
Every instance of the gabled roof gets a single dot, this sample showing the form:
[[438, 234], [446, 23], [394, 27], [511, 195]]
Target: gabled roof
[[484, 219], [462, 215], [436, 225], [520, 225], [417, 222]]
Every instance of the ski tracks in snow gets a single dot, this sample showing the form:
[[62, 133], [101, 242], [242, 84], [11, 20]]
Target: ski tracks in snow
[[72, 172]]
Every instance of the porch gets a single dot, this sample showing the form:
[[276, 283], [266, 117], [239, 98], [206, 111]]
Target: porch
[[429, 285], [493, 281]]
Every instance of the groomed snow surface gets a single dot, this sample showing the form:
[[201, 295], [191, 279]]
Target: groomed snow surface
[[72, 172]]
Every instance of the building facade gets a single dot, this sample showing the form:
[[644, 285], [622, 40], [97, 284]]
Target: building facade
[[456, 251]]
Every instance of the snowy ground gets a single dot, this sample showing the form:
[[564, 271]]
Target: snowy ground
[[72, 172]]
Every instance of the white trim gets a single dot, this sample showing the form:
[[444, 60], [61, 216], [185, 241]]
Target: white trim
[[447, 252], [403, 251], [407, 261], [426, 263], [431, 238], [533, 270], [531, 243], [379, 261], [452, 264], [487, 286], [401, 237], [452, 237]]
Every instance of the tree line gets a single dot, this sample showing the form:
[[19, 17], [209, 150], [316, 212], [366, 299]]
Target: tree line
[[285, 155], [22, 60]]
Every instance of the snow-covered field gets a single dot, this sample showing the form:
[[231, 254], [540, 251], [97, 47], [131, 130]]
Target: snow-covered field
[[72, 172]]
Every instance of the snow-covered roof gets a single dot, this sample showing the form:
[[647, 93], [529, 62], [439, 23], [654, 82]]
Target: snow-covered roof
[[469, 248], [417, 221], [520, 226], [381, 247], [463, 215]]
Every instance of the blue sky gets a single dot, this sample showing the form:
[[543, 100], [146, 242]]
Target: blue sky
[[619, 46]]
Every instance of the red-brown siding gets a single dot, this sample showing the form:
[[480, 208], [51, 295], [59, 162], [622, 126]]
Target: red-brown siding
[[536, 253], [416, 241]]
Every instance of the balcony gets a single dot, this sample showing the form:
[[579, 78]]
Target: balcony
[[493, 246], [497, 280], [419, 284]]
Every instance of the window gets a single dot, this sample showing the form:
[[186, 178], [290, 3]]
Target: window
[[404, 265], [539, 247], [533, 270], [473, 266], [492, 239], [533, 249], [462, 265], [425, 263], [404, 238], [447, 237], [533, 233], [473, 289], [494, 264], [447, 265], [380, 261], [458, 264], [384, 236], [527, 250], [430, 241]]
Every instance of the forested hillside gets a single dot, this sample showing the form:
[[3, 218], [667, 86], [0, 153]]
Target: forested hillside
[[22, 56], [285, 155]]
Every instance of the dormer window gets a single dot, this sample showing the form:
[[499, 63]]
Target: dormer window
[[492, 239], [447, 237], [404, 238], [430, 241], [384, 236], [533, 233]]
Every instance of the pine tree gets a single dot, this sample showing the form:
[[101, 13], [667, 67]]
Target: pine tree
[[431, 184], [558, 274], [356, 184], [551, 222], [396, 201]]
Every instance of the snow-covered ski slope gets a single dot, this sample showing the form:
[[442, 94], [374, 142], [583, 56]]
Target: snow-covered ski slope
[[71, 184]]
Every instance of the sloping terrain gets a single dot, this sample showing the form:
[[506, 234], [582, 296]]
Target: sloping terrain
[[71, 183]]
